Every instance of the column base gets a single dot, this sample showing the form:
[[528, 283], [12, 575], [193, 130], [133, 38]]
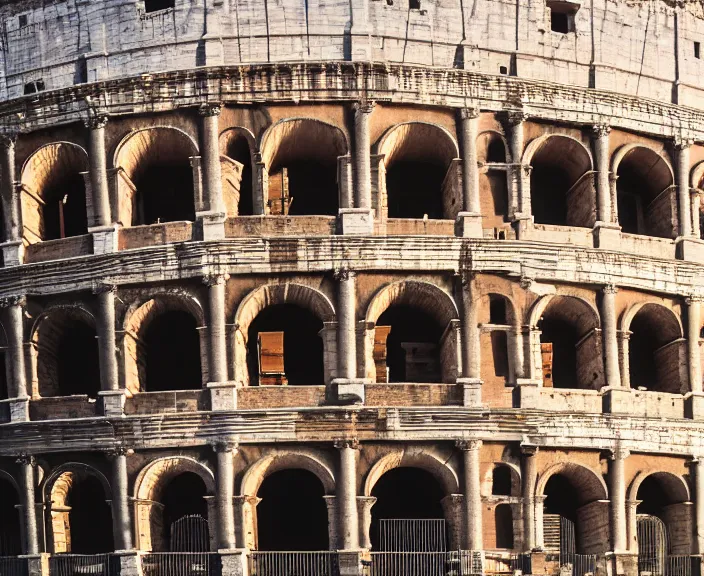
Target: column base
[[622, 563], [616, 400], [690, 249], [470, 392], [130, 562], [37, 564], [234, 562], [105, 239], [523, 226], [469, 225], [19, 409], [526, 394], [113, 402], [223, 396], [348, 390], [12, 253], [356, 221], [694, 405], [212, 225], [351, 562], [607, 235]]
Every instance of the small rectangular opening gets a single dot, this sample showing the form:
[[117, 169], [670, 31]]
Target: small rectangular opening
[[156, 5], [503, 70], [697, 50], [559, 22], [414, 4], [24, 20], [562, 16], [34, 86]]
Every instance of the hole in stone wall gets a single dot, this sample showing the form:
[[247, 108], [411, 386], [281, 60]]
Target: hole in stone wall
[[165, 193], [503, 522], [155, 5], [501, 481], [503, 69], [10, 529], [288, 497], [90, 518], [412, 345], [172, 353], [497, 310], [562, 336], [185, 511], [499, 352], [697, 50], [238, 149], [23, 20], [415, 189], [34, 86], [414, 4], [64, 211], [4, 383], [559, 22], [78, 368], [302, 352], [496, 151]]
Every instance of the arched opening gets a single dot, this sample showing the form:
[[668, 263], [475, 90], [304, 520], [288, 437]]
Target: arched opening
[[503, 524], [287, 497], [156, 177], [561, 183], [67, 354], [81, 519], [407, 345], [186, 514], [170, 352], [54, 194], [663, 523], [421, 177], [234, 144], [561, 531], [491, 148], [284, 346], [301, 157], [647, 202], [655, 350], [570, 345], [10, 527], [501, 481], [408, 514]]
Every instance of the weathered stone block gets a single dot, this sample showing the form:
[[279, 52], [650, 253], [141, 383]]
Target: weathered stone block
[[607, 236], [694, 405], [617, 400], [470, 392], [234, 562], [223, 396], [356, 221], [468, 225], [348, 391], [113, 402], [691, 249], [212, 225], [12, 253], [105, 239]]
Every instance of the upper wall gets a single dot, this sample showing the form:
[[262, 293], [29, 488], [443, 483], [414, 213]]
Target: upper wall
[[642, 47]]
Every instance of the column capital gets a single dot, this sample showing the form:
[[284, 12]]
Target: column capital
[[215, 279], [15, 300], [529, 449], [515, 117], [610, 289], [468, 445], [364, 106], [224, 445], [342, 274], [25, 458], [618, 453], [118, 450], [693, 298], [469, 112], [95, 120], [341, 443], [103, 288], [526, 282], [601, 130], [210, 109], [8, 139], [681, 142]]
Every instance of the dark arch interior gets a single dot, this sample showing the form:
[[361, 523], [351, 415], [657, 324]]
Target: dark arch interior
[[501, 481], [238, 149], [636, 189], [561, 497], [165, 193], [172, 352], [653, 496], [497, 310], [549, 184], [184, 496], [413, 345], [503, 523], [78, 364], [292, 514], [404, 494], [4, 381], [64, 211], [496, 151], [90, 517], [649, 367], [414, 189], [10, 541], [564, 337], [312, 186], [303, 346]]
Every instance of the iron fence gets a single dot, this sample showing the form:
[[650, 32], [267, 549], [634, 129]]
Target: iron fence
[[321, 563], [13, 566], [412, 535], [181, 564], [447, 563], [679, 566], [84, 565]]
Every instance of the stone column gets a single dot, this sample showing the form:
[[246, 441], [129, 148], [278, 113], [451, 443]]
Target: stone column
[[682, 146], [694, 304], [610, 336], [347, 515], [600, 134], [210, 154], [216, 330], [472, 495], [362, 150], [470, 219], [696, 466], [617, 491], [106, 336], [696, 209], [225, 494], [528, 478], [364, 508], [27, 464], [471, 346], [8, 188], [98, 169], [520, 199], [15, 346], [346, 333], [122, 526]]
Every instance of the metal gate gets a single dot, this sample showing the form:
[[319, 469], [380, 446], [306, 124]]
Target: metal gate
[[190, 534], [412, 536], [653, 545], [560, 533]]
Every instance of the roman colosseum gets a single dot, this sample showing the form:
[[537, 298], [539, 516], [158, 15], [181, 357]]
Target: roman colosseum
[[351, 287]]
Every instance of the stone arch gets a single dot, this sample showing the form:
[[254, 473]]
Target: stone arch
[[489, 144], [153, 147], [420, 171], [65, 348], [57, 488], [414, 293], [645, 190], [414, 458], [301, 155], [561, 181], [591, 485], [495, 175], [50, 178], [13, 540], [252, 304], [515, 474], [239, 144], [284, 460], [511, 316], [675, 484], [149, 486], [655, 355], [136, 322]]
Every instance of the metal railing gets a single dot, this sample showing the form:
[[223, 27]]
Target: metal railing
[[495, 564], [447, 563], [13, 566], [679, 566], [581, 563], [84, 565], [181, 564], [293, 563]]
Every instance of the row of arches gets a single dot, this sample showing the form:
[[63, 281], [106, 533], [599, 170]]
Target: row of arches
[[174, 507]]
